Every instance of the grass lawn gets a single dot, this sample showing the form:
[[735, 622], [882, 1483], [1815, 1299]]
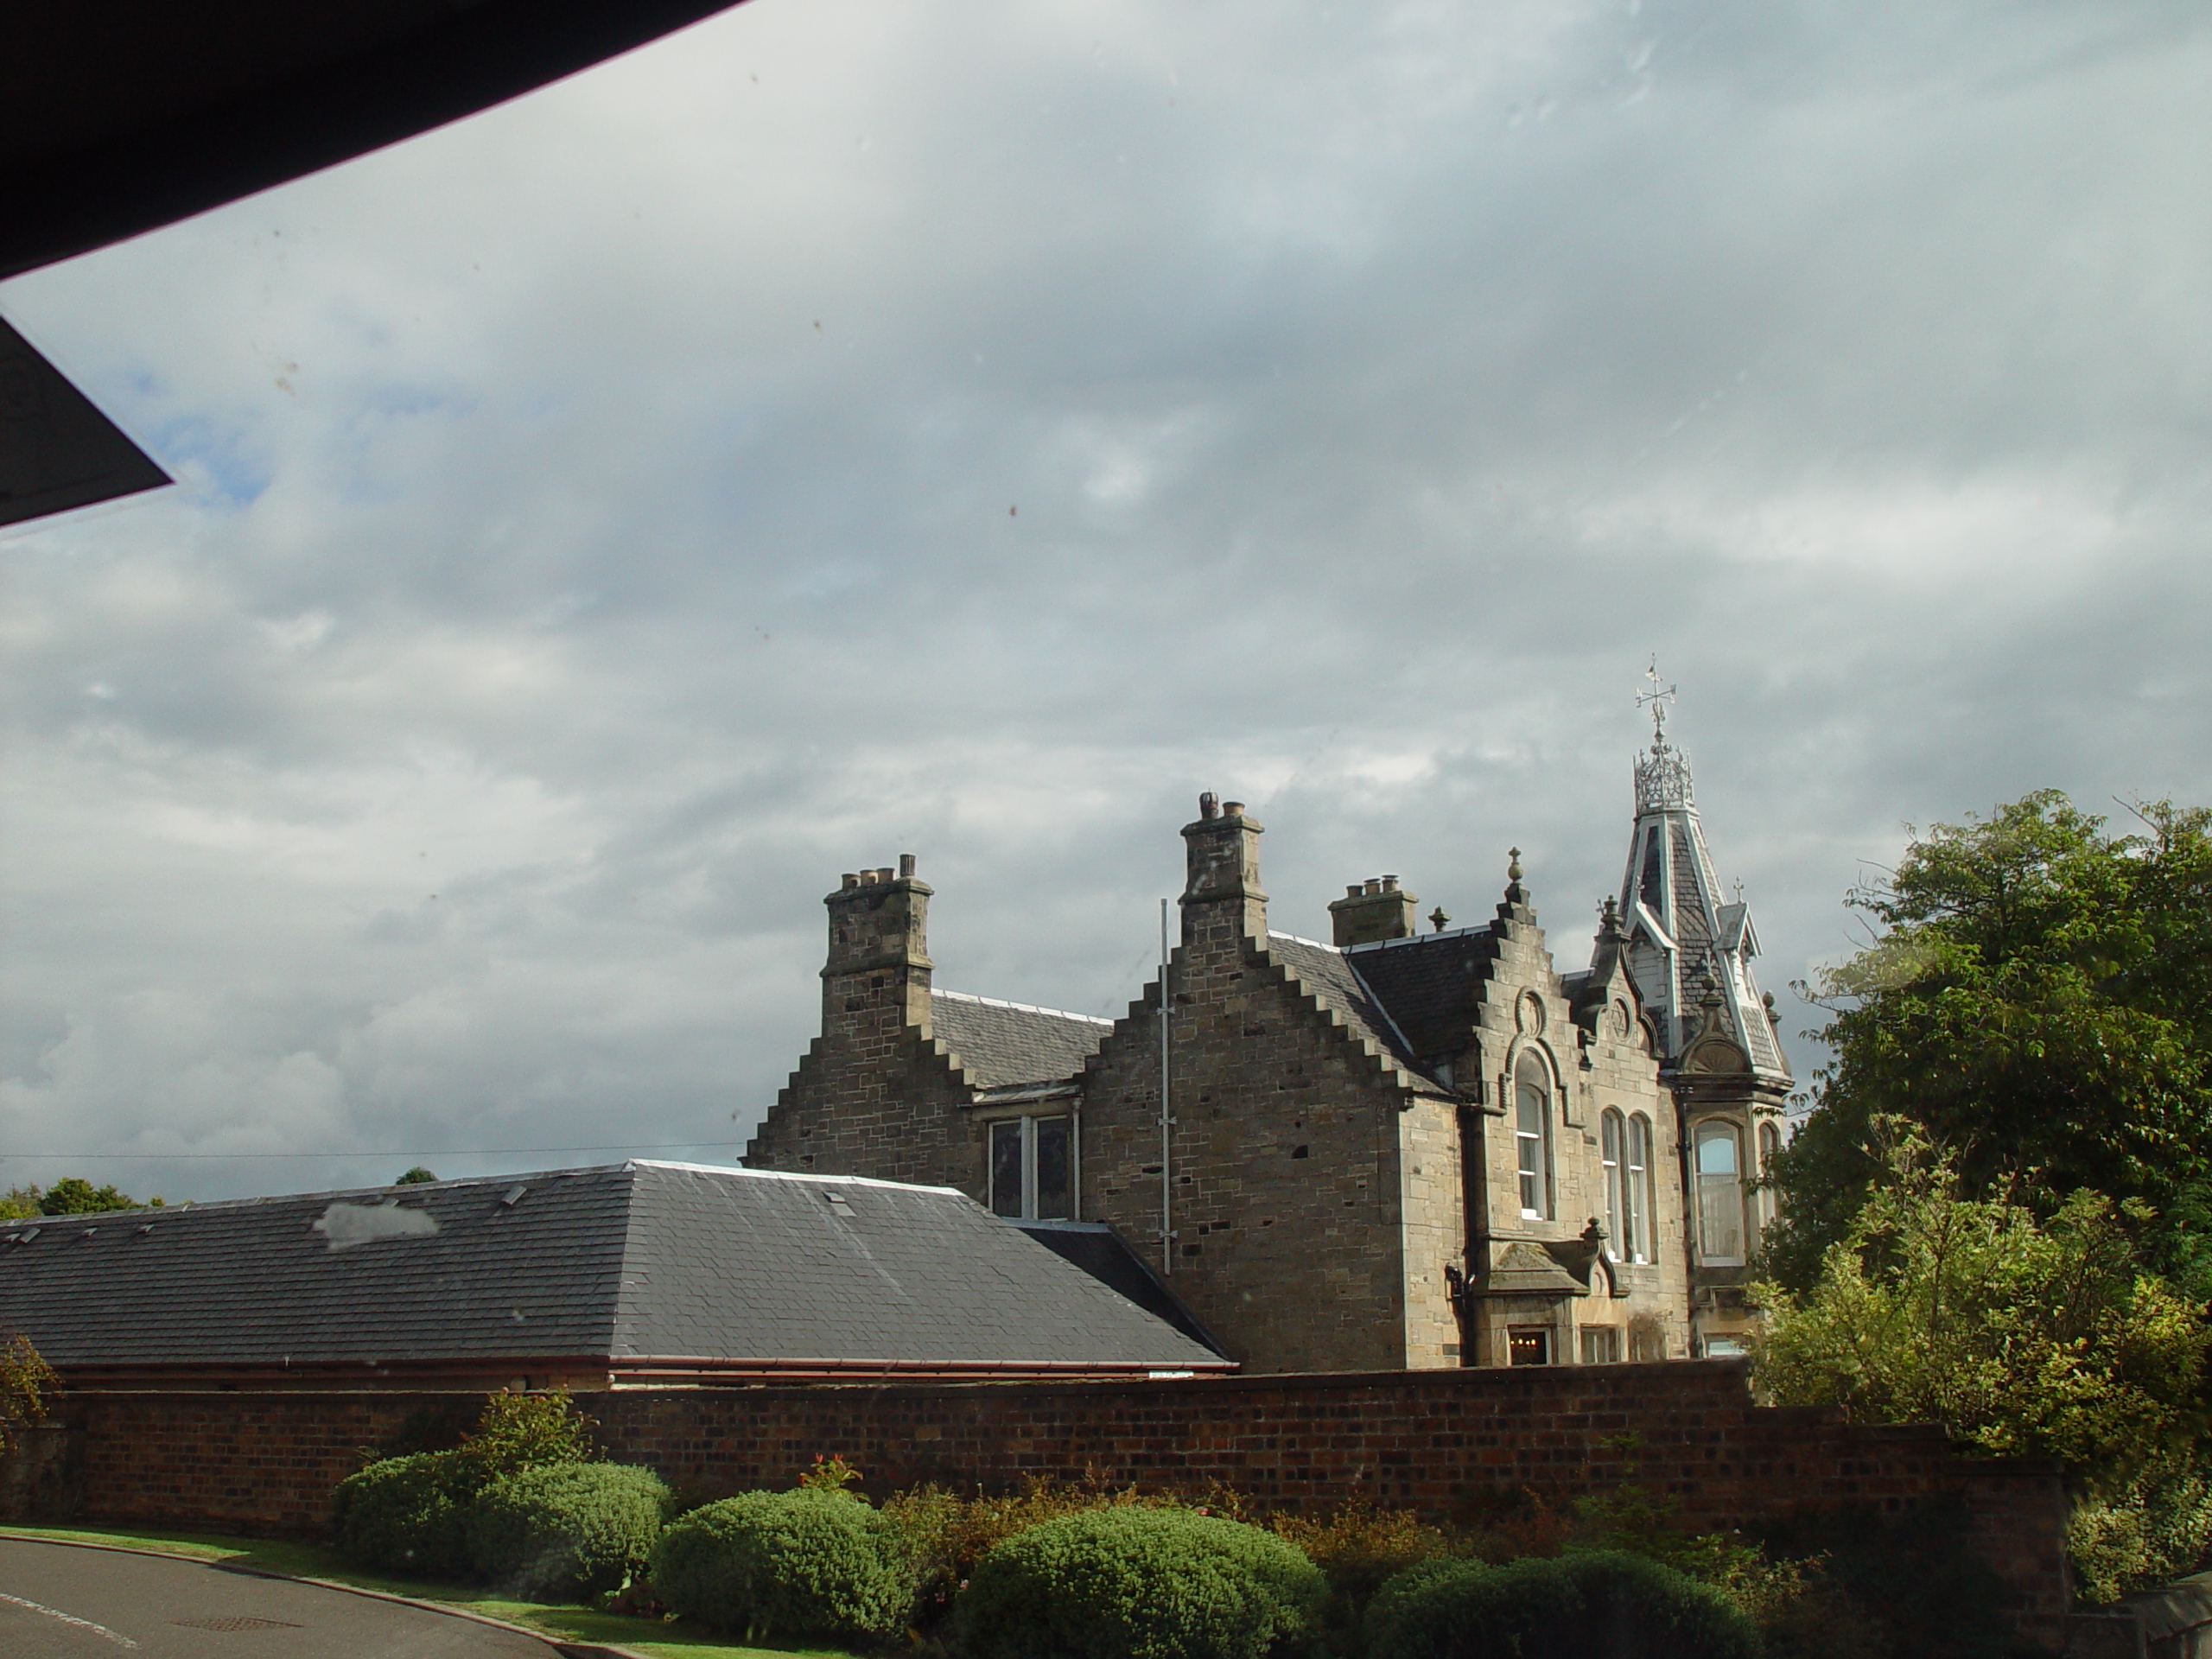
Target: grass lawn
[[299, 1560]]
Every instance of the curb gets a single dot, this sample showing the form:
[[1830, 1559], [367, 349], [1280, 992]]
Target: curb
[[566, 1649]]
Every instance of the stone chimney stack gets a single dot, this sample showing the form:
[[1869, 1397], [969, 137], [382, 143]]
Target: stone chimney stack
[[878, 976], [1381, 909], [1222, 901]]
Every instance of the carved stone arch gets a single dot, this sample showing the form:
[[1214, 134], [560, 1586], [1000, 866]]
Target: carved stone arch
[[1554, 1077]]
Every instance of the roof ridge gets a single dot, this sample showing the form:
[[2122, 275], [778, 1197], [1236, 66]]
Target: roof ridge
[[1409, 939], [1024, 1008], [787, 1175]]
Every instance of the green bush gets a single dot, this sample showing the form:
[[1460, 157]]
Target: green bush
[[810, 1562], [516, 1430], [1135, 1583], [566, 1530], [405, 1514], [1594, 1604], [408, 1514]]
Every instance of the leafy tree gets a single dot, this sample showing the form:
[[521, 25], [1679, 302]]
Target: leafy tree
[[75, 1196], [19, 1203], [2026, 1336], [414, 1176], [2038, 998], [25, 1380]]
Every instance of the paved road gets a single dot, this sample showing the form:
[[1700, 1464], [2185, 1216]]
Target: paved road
[[58, 1601]]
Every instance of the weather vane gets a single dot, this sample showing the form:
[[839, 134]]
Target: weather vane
[[1658, 697]]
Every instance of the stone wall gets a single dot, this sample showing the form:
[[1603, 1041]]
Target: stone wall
[[1285, 1163], [1435, 1441]]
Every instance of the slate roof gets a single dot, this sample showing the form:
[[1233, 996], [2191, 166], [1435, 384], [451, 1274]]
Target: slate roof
[[1106, 1256], [1428, 984], [1327, 971], [631, 1263], [1002, 1044]]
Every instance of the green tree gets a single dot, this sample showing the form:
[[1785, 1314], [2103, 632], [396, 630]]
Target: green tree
[[74, 1195], [2038, 998], [2026, 1335], [414, 1176], [19, 1203], [25, 1380]]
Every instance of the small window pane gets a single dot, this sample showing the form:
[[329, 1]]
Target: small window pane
[[1601, 1345], [1530, 1347], [1054, 1183], [1006, 1169]]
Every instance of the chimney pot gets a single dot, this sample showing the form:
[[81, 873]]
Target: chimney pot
[[1372, 885], [1352, 889], [1208, 805], [1389, 884], [883, 875], [868, 877], [1232, 808], [852, 879], [906, 867]]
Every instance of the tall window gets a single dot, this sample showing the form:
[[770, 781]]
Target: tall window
[[1636, 1191], [1612, 1135], [1719, 1195], [1532, 1137], [1769, 1143], [1033, 1168]]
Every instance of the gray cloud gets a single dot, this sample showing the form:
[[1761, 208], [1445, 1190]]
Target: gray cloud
[[850, 427]]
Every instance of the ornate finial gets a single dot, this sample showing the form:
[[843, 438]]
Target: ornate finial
[[1437, 918], [1662, 777], [1609, 918], [1513, 864], [1656, 700]]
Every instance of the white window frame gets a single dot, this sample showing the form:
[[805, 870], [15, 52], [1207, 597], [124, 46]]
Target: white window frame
[[1638, 1188], [1612, 1156], [1717, 1192], [1026, 1203], [1532, 1076]]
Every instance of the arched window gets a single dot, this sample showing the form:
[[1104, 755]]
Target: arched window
[[1636, 1191], [1719, 1195], [1532, 1141], [1612, 1146]]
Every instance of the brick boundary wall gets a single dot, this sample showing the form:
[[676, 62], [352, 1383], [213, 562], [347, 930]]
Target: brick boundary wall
[[1428, 1440]]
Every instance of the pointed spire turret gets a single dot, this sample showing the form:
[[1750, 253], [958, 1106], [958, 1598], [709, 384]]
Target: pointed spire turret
[[1691, 953]]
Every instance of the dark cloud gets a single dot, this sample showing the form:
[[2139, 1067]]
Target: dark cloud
[[850, 429]]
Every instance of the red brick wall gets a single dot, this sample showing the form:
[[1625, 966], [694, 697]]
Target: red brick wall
[[1428, 1440]]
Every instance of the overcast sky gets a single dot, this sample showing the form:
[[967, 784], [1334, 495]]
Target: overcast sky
[[971, 428]]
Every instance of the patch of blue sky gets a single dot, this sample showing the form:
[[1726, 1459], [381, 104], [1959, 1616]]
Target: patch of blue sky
[[222, 459]]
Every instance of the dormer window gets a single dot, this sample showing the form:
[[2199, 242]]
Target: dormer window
[[1033, 1168]]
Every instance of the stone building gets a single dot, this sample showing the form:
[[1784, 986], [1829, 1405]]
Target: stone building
[[1395, 1150]]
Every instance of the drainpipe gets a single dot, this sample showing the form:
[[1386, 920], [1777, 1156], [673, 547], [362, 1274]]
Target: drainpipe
[[1166, 1120]]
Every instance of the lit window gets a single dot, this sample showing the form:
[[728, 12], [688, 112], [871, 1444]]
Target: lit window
[[1719, 1195], [1636, 1191], [1033, 1168], [1613, 1138], [1532, 1139], [1601, 1345], [1530, 1345]]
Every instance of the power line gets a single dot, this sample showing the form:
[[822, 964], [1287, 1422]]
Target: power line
[[442, 1151]]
